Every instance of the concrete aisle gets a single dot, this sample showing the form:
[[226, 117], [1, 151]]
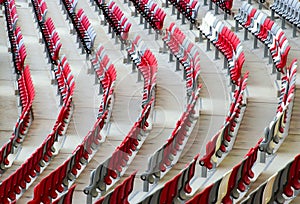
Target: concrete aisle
[[46, 102], [8, 99]]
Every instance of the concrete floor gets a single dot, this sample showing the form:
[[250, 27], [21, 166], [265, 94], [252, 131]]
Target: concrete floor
[[170, 100]]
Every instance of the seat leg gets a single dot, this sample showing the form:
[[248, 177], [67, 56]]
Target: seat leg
[[208, 45], [283, 23], [272, 14], [255, 43], [225, 63], [133, 67], [170, 57], [236, 26], [178, 15], [203, 172], [266, 51], [217, 54], [200, 37], [141, 19], [294, 31], [146, 186], [210, 5], [216, 10], [177, 65], [100, 89], [139, 76], [191, 26], [246, 34], [270, 58]]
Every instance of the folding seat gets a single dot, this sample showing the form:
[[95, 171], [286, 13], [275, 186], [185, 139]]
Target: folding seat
[[194, 12], [245, 179], [122, 191], [246, 23], [57, 46], [169, 191], [21, 178], [295, 15], [216, 31], [154, 165], [3, 156], [167, 157], [127, 27], [190, 174], [261, 194], [236, 72], [226, 47], [203, 196], [265, 27], [132, 50], [290, 187], [125, 150], [274, 47], [295, 180], [279, 181], [96, 59], [80, 13], [65, 170], [204, 27], [23, 55], [247, 170], [50, 26], [14, 16], [173, 45], [257, 22], [276, 4], [128, 188], [81, 154], [210, 150], [160, 15], [282, 7], [182, 6], [289, 9], [45, 192], [96, 179], [34, 163], [180, 136], [47, 152], [8, 147], [227, 6], [3, 195], [116, 162], [73, 3], [42, 12], [186, 7], [237, 47], [283, 59], [36, 192], [253, 19], [12, 185], [19, 41]]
